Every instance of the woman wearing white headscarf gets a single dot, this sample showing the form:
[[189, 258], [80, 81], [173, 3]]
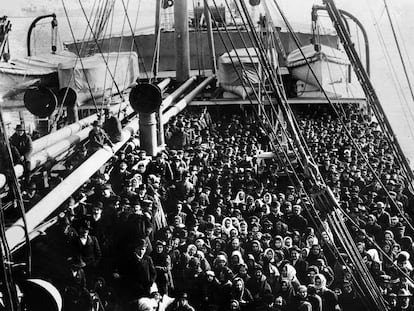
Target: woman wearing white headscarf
[[240, 198], [236, 259], [269, 269], [227, 226], [329, 298]]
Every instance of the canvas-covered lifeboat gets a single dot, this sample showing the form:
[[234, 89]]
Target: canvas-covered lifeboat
[[330, 65]]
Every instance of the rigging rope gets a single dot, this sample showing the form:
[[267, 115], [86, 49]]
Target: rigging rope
[[100, 49], [342, 122], [134, 39], [370, 93], [293, 169], [394, 76], [257, 72], [106, 73], [399, 50], [79, 57]]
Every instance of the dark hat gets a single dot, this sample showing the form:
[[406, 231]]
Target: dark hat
[[20, 127], [85, 223], [76, 262], [141, 243], [98, 205]]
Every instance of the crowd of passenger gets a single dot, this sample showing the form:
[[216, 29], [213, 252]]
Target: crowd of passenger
[[208, 225]]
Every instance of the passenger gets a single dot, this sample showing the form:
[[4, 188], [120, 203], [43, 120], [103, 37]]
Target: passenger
[[86, 247], [22, 146], [136, 272], [97, 139], [112, 126]]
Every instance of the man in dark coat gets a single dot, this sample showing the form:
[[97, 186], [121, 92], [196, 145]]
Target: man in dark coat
[[113, 127], [97, 138], [120, 177], [22, 146], [86, 247], [160, 167], [137, 272]]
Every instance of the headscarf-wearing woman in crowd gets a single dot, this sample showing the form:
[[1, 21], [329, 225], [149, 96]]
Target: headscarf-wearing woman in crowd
[[217, 246], [285, 289], [287, 271], [242, 272], [222, 272], [287, 242], [315, 254], [236, 259], [204, 264], [240, 198], [258, 286], [403, 261], [236, 223], [210, 294], [311, 239], [408, 246], [329, 298], [256, 250], [349, 300], [240, 293], [387, 256], [162, 263], [279, 246], [269, 269], [243, 231], [227, 225], [300, 301]]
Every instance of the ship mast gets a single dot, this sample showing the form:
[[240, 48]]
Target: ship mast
[[182, 41]]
